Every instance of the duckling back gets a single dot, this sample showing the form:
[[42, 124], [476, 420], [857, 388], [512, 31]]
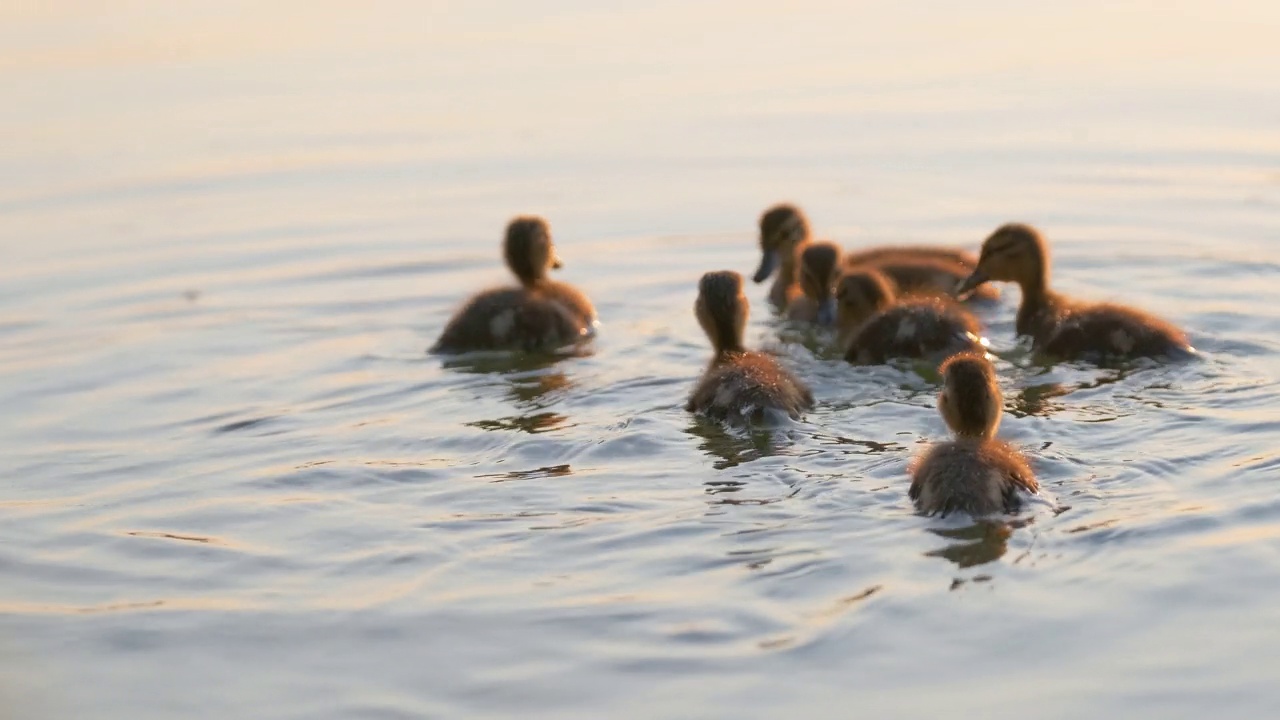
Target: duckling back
[[872, 255], [516, 318], [749, 387], [926, 275], [979, 476], [1107, 331], [916, 328]]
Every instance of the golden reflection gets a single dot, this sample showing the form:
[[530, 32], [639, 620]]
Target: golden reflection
[[534, 423], [733, 448], [547, 471], [983, 542], [528, 390], [1037, 400], [533, 384]]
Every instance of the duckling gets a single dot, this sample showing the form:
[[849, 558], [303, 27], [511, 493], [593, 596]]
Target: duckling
[[819, 270], [739, 385], [876, 325], [539, 315], [1061, 327], [976, 472], [785, 231]]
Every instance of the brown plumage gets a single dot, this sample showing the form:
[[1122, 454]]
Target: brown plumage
[[918, 275], [540, 315], [976, 472], [819, 271], [1062, 327], [739, 385], [784, 229], [876, 325], [785, 232]]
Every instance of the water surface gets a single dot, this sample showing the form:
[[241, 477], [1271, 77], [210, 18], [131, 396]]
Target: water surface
[[238, 487]]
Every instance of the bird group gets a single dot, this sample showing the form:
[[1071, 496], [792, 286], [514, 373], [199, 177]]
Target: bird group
[[884, 303]]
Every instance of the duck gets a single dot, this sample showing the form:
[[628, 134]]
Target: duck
[[739, 386], [819, 270], [538, 315], [1060, 326], [876, 325], [785, 231], [976, 472]]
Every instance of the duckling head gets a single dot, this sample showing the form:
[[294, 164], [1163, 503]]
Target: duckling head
[[722, 310], [782, 228], [970, 401], [819, 267], [1013, 253], [528, 249], [861, 294]]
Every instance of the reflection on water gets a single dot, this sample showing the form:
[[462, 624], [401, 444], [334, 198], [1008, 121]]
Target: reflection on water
[[734, 446], [267, 501], [542, 472], [978, 544], [531, 390], [532, 423], [1036, 400], [533, 384]]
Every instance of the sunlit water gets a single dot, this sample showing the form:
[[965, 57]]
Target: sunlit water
[[238, 487]]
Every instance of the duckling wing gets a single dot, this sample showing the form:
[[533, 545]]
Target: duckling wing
[[510, 319], [979, 477], [748, 386], [917, 328], [928, 275], [573, 299], [1114, 331]]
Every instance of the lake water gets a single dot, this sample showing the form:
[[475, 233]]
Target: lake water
[[237, 487]]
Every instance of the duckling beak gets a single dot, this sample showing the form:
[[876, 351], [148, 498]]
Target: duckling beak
[[827, 312], [768, 263], [970, 283]]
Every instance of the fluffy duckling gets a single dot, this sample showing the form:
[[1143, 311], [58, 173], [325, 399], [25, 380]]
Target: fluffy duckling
[[739, 385], [1059, 326], [539, 315], [976, 472], [819, 271], [785, 232], [876, 325]]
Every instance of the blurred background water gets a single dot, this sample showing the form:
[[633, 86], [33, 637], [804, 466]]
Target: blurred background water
[[238, 487]]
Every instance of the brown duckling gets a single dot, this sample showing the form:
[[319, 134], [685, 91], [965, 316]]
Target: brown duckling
[[1065, 328], [739, 385], [875, 325], [976, 472], [819, 271], [539, 315], [785, 231]]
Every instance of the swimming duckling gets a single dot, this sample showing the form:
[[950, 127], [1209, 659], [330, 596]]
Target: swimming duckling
[[876, 325], [784, 232], [819, 271], [976, 472], [739, 385], [1062, 327], [538, 316]]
